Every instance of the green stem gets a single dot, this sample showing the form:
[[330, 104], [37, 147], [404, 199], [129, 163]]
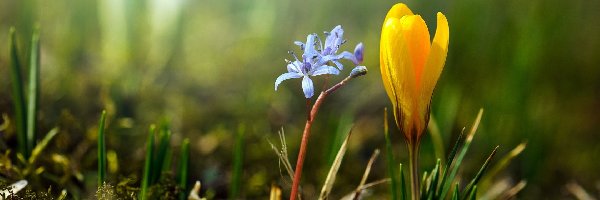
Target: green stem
[[413, 153]]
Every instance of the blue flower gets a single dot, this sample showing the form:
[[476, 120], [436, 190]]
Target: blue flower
[[326, 52], [316, 57], [311, 65]]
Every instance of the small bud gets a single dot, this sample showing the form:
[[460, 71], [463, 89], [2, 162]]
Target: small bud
[[358, 71]]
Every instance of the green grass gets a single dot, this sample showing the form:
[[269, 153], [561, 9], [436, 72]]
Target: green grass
[[182, 171], [33, 90], [17, 93], [238, 159], [147, 173], [101, 150]]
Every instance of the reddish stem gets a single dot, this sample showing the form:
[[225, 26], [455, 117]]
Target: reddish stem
[[306, 134]]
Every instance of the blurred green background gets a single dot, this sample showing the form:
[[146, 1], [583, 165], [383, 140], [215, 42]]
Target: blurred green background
[[209, 67]]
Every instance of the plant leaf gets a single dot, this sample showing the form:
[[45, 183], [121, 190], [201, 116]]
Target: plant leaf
[[463, 152], [328, 184]]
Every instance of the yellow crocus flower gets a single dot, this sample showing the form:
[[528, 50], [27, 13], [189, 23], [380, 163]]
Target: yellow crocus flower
[[410, 67]]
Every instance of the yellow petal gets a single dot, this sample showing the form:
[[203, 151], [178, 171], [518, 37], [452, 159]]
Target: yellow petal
[[398, 11], [436, 58], [417, 38], [397, 72]]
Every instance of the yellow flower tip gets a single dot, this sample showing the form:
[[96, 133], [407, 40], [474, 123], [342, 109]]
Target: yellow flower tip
[[398, 11], [411, 65]]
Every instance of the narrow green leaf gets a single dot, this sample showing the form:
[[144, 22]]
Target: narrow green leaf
[[463, 152], [390, 158], [403, 183], [101, 150], [238, 153], [33, 89], [502, 164], [182, 172], [148, 164], [473, 183], [17, 91], [434, 180], [423, 186], [455, 194], [449, 163], [166, 166], [473, 193], [161, 153]]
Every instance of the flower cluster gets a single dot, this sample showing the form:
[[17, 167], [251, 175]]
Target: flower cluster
[[318, 58]]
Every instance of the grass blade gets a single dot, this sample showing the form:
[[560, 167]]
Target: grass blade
[[182, 172], [455, 194], [463, 152], [17, 91], [502, 164], [363, 181], [472, 194], [283, 155], [326, 189], [238, 153], [423, 187], [449, 162], [512, 192], [473, 183], [390, 158], [161, 152], [33, 89], [148, 164], [101, 150], [434, 180], [402, 183]]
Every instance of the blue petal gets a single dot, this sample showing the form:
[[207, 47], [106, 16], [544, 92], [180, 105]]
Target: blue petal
[[300, 44], [310, 50], [348, 56], [294, 67], [307, 87], [324, 69], [334, 39], [286, 76], [338, 64], [345, 55], [359, 53]]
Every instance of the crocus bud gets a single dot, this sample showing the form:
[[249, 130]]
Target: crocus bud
[[410, 66]]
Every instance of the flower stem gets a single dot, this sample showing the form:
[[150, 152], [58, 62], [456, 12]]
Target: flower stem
[[413, 154], [306, 134]]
